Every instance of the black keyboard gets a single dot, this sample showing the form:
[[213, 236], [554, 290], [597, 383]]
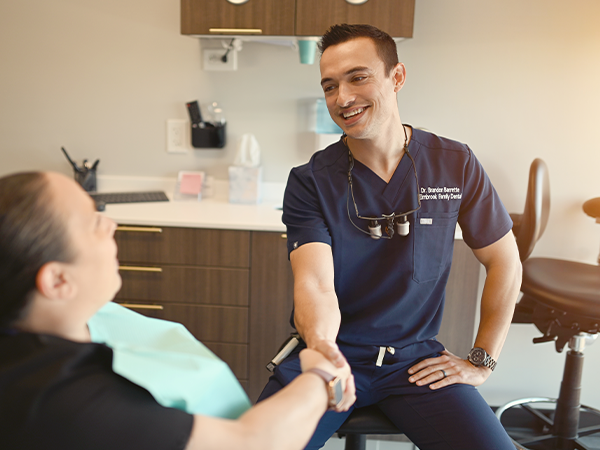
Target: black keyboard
[[130, 197]]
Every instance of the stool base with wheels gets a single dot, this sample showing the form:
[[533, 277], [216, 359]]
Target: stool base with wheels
[[541, 411], [549, 424]]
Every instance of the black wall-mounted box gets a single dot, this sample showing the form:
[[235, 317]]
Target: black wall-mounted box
[[210, 136]]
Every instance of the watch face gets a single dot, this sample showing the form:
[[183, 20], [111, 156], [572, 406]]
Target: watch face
[[477, 356], [338, 393]]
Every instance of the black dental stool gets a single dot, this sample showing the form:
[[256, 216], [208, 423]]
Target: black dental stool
[[364, 421], [562, 299]]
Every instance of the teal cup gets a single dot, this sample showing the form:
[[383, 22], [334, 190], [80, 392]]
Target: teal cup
[[307, 51]]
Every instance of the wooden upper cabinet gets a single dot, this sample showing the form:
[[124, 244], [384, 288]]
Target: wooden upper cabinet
[[395, 17], [215, 17]]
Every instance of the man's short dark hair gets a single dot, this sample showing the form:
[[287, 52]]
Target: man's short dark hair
[[385, 45]]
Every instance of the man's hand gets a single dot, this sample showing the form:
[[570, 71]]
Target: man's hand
[[446, 370]]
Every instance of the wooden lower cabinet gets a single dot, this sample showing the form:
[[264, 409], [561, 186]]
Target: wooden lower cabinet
[[237, 298], [231, 289]]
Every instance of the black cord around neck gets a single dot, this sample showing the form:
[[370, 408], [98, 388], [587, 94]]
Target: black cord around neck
[[350, 190]]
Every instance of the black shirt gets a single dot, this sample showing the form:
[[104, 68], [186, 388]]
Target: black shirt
[[58, 394]]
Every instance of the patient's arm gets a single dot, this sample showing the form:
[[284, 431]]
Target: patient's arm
[[284, 421]]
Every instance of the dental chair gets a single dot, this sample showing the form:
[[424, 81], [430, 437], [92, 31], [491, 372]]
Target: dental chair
[[562, 299]]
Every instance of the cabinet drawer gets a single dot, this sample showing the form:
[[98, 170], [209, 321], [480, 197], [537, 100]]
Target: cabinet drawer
[[183, 246], [218, 324], [266, 17], [177, 284]]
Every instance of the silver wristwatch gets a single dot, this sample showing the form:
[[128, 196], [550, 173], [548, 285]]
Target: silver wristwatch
[[479, 357]]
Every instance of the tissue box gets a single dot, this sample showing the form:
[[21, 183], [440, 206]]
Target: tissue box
[[245, 184]]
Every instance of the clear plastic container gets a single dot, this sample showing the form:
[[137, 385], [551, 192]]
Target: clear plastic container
[[324, 122]]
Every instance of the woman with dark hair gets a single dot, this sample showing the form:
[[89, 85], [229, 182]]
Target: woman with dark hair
[[60, 389]]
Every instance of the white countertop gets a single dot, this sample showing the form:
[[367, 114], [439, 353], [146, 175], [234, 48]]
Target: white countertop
[[215, 212], [205, 214]]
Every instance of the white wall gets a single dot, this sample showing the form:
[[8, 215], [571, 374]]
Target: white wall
[[518, 80], [515, 80]]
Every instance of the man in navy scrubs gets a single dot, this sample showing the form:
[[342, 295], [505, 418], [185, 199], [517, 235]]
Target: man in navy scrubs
[[370, 223]]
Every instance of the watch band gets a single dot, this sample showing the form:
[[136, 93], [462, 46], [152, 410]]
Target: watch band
[[489, 362], [333, 385], [325, 375]]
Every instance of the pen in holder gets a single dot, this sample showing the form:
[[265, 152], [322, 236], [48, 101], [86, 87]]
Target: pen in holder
[[86, 175]]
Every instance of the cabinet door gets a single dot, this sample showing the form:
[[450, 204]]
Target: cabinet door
[[266, 17], [271, 298], [392, 16]]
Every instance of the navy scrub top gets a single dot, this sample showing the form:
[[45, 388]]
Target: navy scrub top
[[391, 291]]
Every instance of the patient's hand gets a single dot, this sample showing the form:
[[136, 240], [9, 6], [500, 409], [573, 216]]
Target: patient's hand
[[313, 359]]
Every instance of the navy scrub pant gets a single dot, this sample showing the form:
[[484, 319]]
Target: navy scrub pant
[[452, 418]]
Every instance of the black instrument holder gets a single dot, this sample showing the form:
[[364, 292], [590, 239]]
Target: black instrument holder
[[84, 175], [209, 136]]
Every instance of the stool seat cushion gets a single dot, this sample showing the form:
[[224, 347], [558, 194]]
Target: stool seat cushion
[[592, 208], [568, 286], [368, 420]]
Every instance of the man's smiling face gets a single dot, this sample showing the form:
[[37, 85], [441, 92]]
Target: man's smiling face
[[360, 95]]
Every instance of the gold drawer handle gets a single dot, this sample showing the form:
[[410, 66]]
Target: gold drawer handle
[[140, 269], [138, 306], [140, 229], [284, 236], [235, 30]]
